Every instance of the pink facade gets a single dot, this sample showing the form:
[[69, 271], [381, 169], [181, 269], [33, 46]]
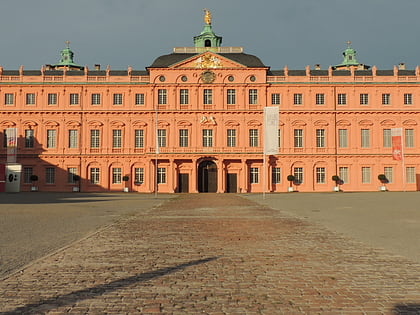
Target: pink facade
[[205, 107]]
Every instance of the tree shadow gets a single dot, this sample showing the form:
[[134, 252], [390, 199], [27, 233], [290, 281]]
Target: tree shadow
[[93, 292], [406, 309]]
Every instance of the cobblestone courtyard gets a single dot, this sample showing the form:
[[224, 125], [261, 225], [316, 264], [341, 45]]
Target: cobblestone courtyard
[[215, 254]]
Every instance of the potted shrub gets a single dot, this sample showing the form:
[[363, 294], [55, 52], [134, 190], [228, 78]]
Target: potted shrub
[[291, 179], [125, 179], [34, 178], [382, 178]]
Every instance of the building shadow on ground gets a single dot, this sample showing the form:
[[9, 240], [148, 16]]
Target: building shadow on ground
[[407, 309]]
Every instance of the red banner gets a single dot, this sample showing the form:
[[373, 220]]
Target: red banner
[[397, 153]]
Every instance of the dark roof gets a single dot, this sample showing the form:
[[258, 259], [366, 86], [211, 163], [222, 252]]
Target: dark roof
[[75, 73], [297, 73], [319, 72], [166, 61], [139, 72], [53, 72], [279, 73], [10, 72], [118, 72], [363, 72], [97, 73], [385, 72], [342, 73], [407, 72]]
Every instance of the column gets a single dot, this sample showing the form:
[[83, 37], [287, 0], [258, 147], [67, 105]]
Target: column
[[221, 177], [193, 179]]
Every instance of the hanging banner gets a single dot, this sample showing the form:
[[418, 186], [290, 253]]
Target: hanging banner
[[271, 129], [11, 142], [397, 153]]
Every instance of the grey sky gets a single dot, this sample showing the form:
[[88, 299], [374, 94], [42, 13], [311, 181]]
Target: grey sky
[[281, 32]]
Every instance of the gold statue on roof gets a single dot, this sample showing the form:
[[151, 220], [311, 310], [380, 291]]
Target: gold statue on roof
[[207, 17]]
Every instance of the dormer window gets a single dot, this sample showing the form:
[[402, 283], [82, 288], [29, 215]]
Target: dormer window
[[207, 43]]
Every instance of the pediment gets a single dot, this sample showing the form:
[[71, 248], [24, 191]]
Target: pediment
[[207, 60]]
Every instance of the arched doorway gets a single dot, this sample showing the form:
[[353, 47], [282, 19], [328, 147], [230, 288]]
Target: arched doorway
[[207, 177]]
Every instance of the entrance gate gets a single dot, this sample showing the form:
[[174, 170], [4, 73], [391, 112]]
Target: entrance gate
[[183, 183], [207, 177], [232, 183]]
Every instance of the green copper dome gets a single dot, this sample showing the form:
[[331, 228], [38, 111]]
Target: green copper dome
[[66, 60], [207, 38]]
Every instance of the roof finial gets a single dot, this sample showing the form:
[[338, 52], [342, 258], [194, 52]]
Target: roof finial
[[67, 43], [207, 17], [348, 43]]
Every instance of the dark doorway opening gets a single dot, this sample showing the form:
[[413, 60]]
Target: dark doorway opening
[[207, 177], [207, 43], [183, 183], [232, 183]]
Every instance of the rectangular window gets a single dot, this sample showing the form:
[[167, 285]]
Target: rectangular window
[[343, 141], [27, 173], [298, 138], [231, 96], [162, 97], [74, 99], [408, 99], [95, 138], [410, 174], [231, 137], [95, 175], [52, 98], [276, 175], [387, 139], [275, 99], [298, 99], [51, 138], [386, 99], [30, 99], [161, 175], [184, 97], [298, 173], [254, 175], [389, 173], [29, 138], [9, 99], [117, 138], [73, 138], [116, 175], [71, 172], [320, 138], [253, 97], [321, 175], [50, 175], [118, 99], [96, 99], [365, 138], [253, 138], [364, 99], [409, 138], [366, 175], [183, 138], [161, 138], [139, 99], [343, 173], [139, 175], [342, 99], [320, 99], [207, 137], [139, 138], [208, 97]]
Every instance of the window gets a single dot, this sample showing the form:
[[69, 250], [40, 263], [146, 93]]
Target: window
[[254, 175], [320, 99], [342, 99], [161, 175], [207, 137], [95, 138], [343, 173], [387, 139], [366, 175], [74, 99], [298, 173], [365, 135], [52, 98], [139, 99], [96, 99], [95, 175], [27, 173], [231, 137], [253, 138], [50, 175], [298, 138], [389, 173], [320, 138], [276, 175], [116, 175], [51, 138], [184, 97], [73, 138], [343, 140], [410, 174], [386, 99], [275, 99], [298, 99], [409, 138], [118, 99], [408, 99], [139, 175], [208, 97], [161, 138], [71, 171], [321, 175], [253, 96], [117, 138], [183, 138], [139, 138], [9, 99], [30, 99], [162, 97], [231, 96], [364, 99], [29, 138]]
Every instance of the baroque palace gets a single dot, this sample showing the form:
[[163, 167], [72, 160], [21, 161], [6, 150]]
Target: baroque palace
[[193, 121]]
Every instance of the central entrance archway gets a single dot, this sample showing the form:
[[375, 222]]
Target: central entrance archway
[[207, 177]]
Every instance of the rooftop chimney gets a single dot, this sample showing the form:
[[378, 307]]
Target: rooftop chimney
[[97, 66]]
